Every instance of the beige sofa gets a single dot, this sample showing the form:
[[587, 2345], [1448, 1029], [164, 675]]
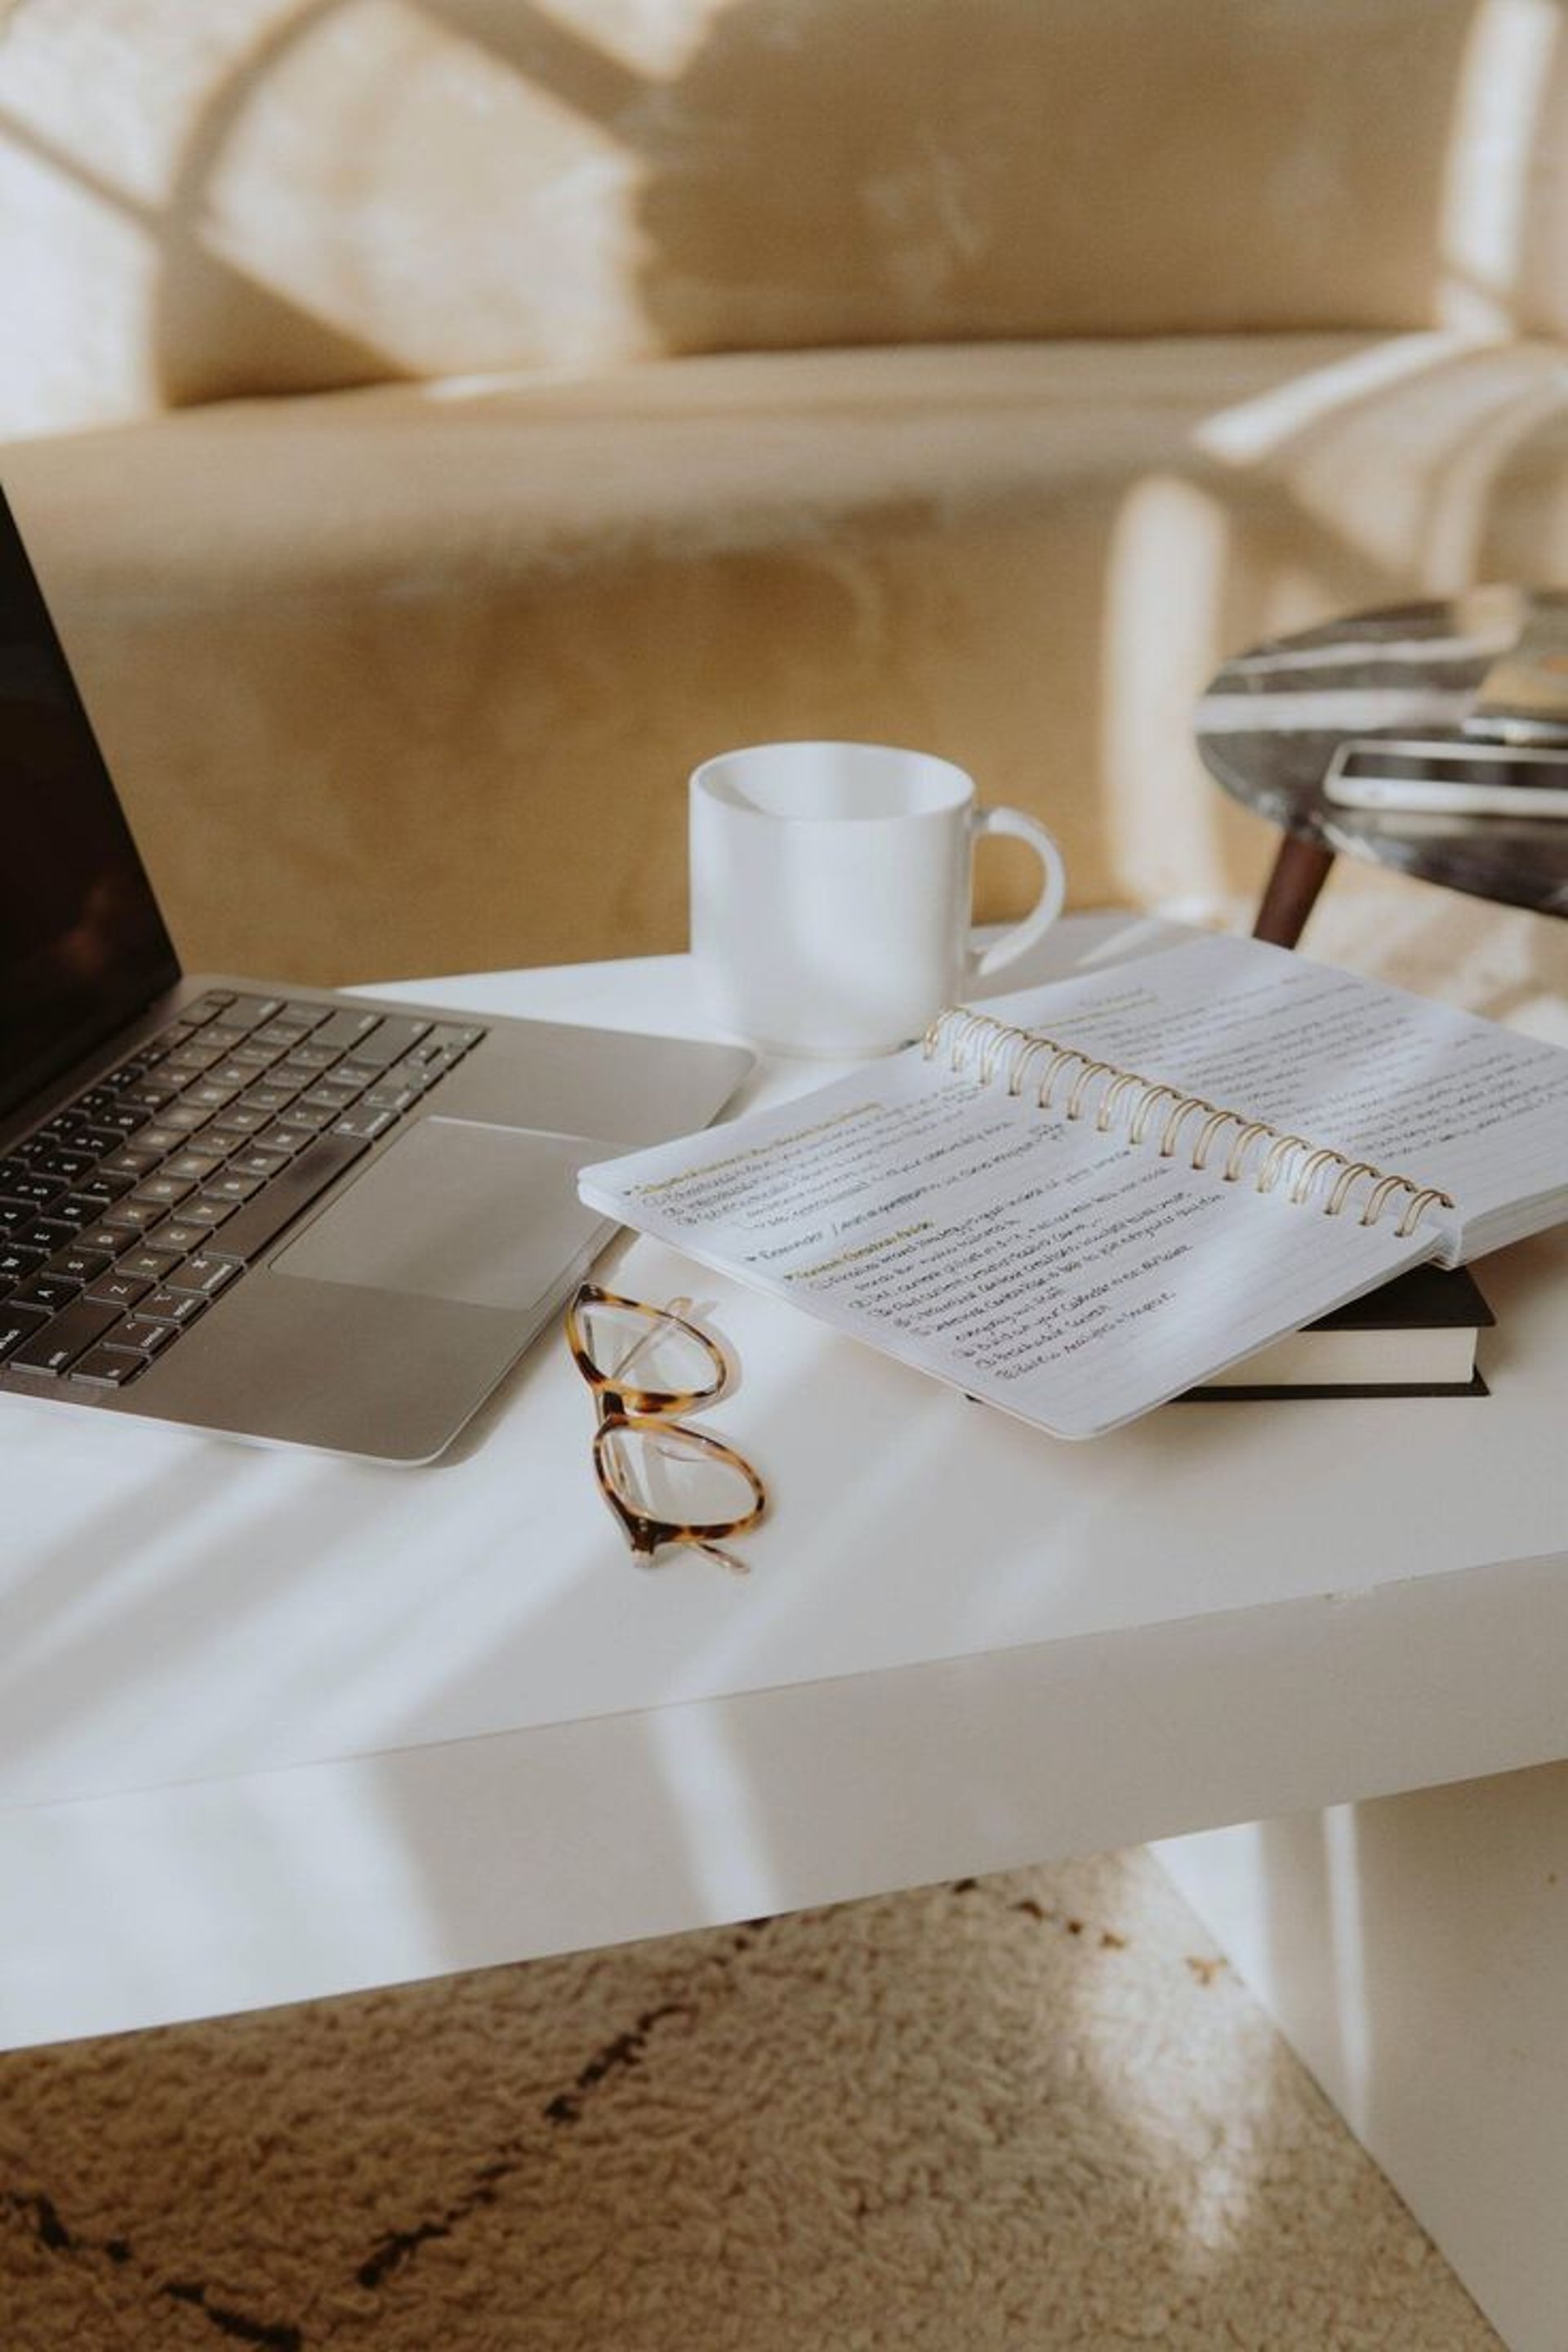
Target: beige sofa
[[439, 423]]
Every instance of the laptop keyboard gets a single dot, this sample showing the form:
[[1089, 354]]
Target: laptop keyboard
[[136, 1206]]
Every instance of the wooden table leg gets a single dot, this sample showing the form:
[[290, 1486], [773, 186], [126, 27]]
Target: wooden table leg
[[1300, 872]]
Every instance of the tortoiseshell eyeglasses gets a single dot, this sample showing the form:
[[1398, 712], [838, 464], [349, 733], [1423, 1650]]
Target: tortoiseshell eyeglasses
[[665, 1483]]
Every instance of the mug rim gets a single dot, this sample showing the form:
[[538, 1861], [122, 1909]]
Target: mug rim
[[963, 794]]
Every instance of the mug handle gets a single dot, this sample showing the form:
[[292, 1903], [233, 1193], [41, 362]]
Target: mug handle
[[983, 961]]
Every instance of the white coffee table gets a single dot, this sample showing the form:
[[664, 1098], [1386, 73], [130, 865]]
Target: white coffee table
[[276, 1725]]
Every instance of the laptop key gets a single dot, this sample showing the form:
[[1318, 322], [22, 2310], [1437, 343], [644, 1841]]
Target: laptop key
[[250, 1012], [192, 1165], [79, 1265], [231, 1186], [388, 1042], [261, 1160], [205, 1212], [118, 1289], [70, 1335], [129, 1162], [190, 1060], [345, 1028], [304, 1179], [308, 1060], [364, 1123], [47, 1290], [19, 1323], [240, 1119], [150, 1094], [109, 1239], [147, 1337], [173, 1308], [117, 1119], [177, 1239], [50, 1234], [206, 1274], [164, 1191], [96, 1189], [108, 1368], [146, 1264], [283, 1034], [68, 1165], [134, 1216], [159, 1139], [40, 1189]]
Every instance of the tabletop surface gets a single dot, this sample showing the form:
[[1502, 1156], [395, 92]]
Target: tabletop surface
[[335, 1724], [1272, 718]]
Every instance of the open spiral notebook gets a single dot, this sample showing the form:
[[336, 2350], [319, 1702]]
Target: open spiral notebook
[[1085, 1198]]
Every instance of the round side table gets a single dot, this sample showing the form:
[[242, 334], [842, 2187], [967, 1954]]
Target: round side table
[[1271, 718]]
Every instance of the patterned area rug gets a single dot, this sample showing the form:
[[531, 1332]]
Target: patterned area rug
[[1036, 2110], [1033, 2111]]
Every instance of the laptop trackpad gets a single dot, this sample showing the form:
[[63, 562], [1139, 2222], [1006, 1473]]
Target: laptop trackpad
[[457, 1210]]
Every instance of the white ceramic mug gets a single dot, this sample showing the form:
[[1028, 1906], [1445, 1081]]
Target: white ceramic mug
[[832, 892]]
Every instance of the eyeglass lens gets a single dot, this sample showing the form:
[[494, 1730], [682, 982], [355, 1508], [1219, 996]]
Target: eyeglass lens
[[648, 1350], [666, 1473]]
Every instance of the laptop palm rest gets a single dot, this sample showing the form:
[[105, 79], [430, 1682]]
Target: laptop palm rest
[[458, 1210]]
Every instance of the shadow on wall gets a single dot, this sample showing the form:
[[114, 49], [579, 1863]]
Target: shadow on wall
[[339, 191]]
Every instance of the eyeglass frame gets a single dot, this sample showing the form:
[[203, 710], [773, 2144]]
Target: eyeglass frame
[[622, 1407]]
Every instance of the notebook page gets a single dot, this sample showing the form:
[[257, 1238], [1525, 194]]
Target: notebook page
[[1067, 1275], [1416, 1087]]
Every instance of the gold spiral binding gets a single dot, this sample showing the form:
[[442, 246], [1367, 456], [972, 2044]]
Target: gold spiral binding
[[1105, 1115], [1185, 1107], [1020, 1062], [959, 1030], [1147, 1102], [1061, 1055], [1307, 1174], [1251, 1134], [1273, 1167], [1212, 1126], [1086, 1078]]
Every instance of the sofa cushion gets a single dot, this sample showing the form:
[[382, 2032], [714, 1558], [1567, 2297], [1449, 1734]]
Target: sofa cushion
[[411, 678]]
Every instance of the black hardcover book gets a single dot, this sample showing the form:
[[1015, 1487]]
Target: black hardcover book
[[1416, 1336]]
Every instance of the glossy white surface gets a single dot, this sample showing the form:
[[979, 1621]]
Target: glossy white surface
[[273, 1724]]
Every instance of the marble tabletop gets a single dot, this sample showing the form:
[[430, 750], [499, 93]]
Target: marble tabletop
[[1272, 716]]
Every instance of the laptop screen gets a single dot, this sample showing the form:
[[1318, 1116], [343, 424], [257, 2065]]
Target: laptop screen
[[82, 945]]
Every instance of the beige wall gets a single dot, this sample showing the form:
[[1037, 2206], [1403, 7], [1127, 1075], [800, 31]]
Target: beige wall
[[267, 194]]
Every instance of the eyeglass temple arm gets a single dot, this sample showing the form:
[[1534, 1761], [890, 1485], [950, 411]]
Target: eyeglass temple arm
[[648, 1536]]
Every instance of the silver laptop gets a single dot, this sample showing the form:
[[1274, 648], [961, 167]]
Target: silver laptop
[[243, 1206]]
